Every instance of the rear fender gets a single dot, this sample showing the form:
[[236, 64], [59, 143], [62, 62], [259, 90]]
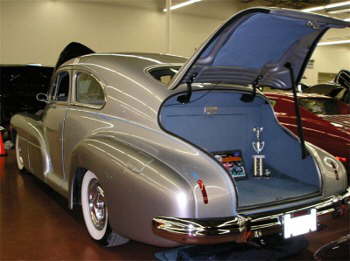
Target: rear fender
[[137, 186]]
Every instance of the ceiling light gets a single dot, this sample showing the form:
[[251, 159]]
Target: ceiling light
[[189, 2], [326, 7], [314, 9], [340, 4], [334, 42], [347, 19]]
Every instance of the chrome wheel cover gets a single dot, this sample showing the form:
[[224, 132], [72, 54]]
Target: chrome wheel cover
[[20, 161], [97, 205]]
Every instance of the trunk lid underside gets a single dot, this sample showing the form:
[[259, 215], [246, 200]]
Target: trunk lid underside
[[258, 43]]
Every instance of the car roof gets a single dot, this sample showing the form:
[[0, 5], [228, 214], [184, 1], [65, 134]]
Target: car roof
[[114, 60]]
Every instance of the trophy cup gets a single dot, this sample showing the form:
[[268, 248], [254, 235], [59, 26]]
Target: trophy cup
[[258, 159]]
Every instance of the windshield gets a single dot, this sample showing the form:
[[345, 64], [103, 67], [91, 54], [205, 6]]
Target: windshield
[[320, 106]]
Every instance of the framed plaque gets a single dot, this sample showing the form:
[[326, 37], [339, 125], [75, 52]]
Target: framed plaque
[[232, 161]]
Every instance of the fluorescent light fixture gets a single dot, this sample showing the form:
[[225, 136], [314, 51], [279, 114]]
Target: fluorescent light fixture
[[339, 11], [334, 42], [326, 7], [189, 2], [340, 4], [314, 9], [347, 20]]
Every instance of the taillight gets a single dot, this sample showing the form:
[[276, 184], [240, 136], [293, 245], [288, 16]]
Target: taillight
[[203, 190], [341, 159]]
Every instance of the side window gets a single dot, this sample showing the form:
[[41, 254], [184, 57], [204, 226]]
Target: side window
[[88, 90], [60, 91]]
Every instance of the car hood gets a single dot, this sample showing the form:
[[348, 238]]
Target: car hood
[[257, 44], [338, 125], [289, 95], [71, 51], [342, 122]]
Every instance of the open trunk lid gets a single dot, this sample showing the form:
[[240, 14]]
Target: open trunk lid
[[256, 44]]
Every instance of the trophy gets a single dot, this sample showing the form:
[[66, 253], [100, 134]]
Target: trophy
[[258, 159]]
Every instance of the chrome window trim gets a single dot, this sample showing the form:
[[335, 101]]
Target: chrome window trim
[[50, 96]]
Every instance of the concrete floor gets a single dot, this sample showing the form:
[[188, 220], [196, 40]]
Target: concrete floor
[[35, 223]]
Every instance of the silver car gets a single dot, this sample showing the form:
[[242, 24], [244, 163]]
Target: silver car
[[168, 154]]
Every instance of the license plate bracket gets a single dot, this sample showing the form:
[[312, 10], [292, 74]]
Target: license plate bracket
[[295, 225]]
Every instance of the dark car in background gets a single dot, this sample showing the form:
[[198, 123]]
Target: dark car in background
[[19, 85]]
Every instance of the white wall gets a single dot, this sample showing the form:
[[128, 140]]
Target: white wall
[[35, 31], [328, 59]]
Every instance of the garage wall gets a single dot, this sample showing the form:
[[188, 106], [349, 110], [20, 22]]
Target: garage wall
[[35, 31], [328, 59]]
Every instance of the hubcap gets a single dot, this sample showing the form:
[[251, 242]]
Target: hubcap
[[19, 155], [97, 205]]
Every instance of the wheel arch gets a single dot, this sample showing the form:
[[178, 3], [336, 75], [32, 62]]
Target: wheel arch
[[133, 180], [75, 187], [29, 127]]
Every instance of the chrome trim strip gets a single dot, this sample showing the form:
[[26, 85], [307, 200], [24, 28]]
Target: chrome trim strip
[[217, 230]]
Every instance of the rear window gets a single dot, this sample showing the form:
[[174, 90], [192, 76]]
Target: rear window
[[164, 74]]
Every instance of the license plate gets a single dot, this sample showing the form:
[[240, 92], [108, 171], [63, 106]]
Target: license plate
[[295, 225]]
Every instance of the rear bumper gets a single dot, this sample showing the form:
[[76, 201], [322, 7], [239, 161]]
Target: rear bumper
[[237, 228]]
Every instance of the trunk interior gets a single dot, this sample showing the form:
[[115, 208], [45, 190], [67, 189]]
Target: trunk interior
[[222, 124]]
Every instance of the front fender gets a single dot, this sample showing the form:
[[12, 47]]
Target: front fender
[[30, 128], [137, 186]]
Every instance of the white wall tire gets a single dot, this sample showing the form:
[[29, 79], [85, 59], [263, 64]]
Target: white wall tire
[[95, 212], [19, 155], [95, 217]]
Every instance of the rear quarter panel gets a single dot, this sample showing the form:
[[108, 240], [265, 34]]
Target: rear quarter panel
[[145, 171]]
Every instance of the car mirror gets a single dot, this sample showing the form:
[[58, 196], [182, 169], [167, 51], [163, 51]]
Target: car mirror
[[42, 97]]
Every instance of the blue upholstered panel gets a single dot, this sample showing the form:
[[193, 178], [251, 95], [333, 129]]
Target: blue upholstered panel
[[262, 38], [231, 128]]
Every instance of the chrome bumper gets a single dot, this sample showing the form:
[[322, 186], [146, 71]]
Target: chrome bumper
[[238, 228]]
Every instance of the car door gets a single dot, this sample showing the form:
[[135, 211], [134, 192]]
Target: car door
[[87, 99], [54, 121]]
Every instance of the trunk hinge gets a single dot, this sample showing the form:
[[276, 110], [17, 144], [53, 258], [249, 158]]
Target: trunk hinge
[[187, 97], [255, 85]]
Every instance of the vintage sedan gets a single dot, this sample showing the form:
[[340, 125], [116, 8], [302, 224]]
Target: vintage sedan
[[200, 160]]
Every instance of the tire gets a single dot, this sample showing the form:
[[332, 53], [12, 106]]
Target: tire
[[19, 157], [95, 212]]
